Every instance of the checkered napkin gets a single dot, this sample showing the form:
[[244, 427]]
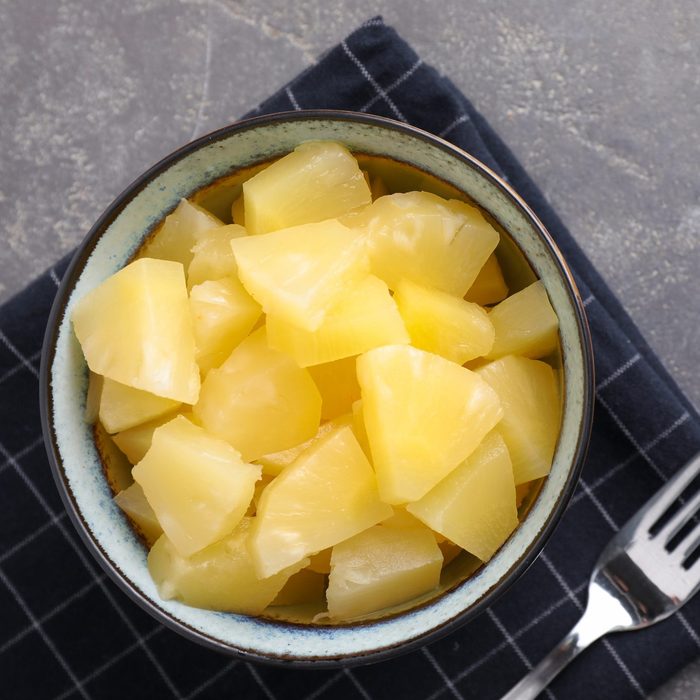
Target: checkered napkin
[[66, 631]]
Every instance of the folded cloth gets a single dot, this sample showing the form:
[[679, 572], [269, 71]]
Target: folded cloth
[[67, 631]]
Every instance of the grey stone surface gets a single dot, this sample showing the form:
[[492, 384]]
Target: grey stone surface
[[600, 100]]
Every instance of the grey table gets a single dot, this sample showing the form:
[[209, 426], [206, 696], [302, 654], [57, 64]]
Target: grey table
[[600, 100]]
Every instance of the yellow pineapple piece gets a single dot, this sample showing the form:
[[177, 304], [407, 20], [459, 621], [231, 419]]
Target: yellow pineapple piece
[[94, 393], [136, 441], [364, 318], [423, 414], [317, 181], [179, 233], [337, 383], [474, 505], [489, 286], [525, 324], [212, 257], [218, 577], [122, 407], [531, 412], [259, 400], [327, 495], [432, 241], [306, 586], [198, 485], [443, 324], [298, 274], [223, 314], [133, 502], [450, 551], [275, 462], [126, 334], [401, 518], [321, 562], [238, 210], [381, 567], [358, 427]]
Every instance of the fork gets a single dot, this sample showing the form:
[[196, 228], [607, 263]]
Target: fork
[[647, 572]]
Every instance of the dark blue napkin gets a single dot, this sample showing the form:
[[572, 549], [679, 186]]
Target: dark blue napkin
[[66, 631]]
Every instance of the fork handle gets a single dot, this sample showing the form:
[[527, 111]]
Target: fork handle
[[542, 674]]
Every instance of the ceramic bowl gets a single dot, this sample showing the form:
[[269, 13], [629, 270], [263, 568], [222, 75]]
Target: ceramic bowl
[[76, 462]]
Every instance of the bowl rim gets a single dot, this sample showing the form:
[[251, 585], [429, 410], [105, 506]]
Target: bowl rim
[[81, 256]]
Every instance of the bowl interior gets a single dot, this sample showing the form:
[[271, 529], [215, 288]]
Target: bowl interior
[[525, 251]]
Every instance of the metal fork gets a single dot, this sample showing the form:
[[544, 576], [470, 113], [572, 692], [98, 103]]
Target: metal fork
[[647, 572]]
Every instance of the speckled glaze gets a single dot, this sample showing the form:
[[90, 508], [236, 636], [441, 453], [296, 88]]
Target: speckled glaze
[[75, 461]]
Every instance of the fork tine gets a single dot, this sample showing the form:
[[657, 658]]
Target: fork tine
[[673, 488], [679, 521]]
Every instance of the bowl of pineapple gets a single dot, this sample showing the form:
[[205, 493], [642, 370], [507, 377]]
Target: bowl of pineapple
[[316, 388]]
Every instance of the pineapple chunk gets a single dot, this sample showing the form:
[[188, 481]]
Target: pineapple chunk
[[525, 324], [198, 485], [365, 318], [133, 502], [381, 567], [94, 393], [327, 495], [337, 383], [531, 412], [423, 414], [259, 400], [136, 441], [306, 586], [489, 287], [219, 577], [275, 462], [317, 181], [238, 210], [450, 551], [212, 257], [122, 407], [299, 273], [136, 328], [445, 325], [432, 241], [223, 314], [358, 427], [179, 233], [474, 505], [321, 562]]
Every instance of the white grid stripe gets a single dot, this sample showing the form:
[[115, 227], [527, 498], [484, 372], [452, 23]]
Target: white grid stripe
[[292, 98], [368, 77], [358, 686], [400, 80], [439, 670], [31, 536], [513, 644], [20, 365], [86, 563], [261, 684], [36, 624], [22, 453], [112, 660], [324, 686], [588, 300], [621, 465], [454, 124], [619, 371], [54, 277], [213, 679], [629, 436], [47, 616], [516, 635], [6, 342]]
